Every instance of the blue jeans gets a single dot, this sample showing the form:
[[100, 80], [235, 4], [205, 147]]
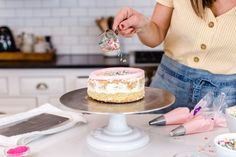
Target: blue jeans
[[189, 85]]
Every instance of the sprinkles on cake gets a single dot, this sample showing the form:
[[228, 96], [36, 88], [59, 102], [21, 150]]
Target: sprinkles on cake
[[116, 73]]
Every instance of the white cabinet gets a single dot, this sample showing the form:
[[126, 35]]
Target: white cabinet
[[23, 89], [82, 81], [3, 85], [42, 85]]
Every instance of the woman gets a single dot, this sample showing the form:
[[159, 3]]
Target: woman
[[199, 43]]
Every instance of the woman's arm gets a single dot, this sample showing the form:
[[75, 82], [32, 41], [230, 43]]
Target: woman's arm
[[155, 31], [150, 32]]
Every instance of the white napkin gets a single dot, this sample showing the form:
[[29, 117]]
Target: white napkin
[[23, 139]]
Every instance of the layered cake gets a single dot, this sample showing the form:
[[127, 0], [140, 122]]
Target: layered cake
[[116, 85]]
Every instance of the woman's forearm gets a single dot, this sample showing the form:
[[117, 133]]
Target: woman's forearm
[[151, 35], [155, 31]]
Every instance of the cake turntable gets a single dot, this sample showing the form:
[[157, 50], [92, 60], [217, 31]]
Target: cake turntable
[[117, 135]]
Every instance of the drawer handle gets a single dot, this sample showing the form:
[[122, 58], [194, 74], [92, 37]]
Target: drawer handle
[[42, 86], [83, 77]]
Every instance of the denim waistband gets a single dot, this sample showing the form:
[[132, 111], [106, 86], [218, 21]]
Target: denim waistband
[[188, 74]]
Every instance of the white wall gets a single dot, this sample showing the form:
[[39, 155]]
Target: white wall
[[70, 22]]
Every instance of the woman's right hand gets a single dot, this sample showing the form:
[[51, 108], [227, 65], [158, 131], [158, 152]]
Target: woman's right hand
[[128, 22]]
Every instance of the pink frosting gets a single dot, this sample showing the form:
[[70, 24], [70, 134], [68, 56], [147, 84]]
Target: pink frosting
[[179, 115], [116, 73], [199, 124]]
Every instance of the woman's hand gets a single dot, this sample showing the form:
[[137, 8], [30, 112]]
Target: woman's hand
[[150, 32], [128, 22]]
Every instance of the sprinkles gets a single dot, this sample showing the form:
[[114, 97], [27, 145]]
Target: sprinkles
[[108, 45], [109, 42], [228, 143], [116, 73], [232, 111]]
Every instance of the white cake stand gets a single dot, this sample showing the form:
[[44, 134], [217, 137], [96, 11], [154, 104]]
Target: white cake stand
[[117, 135]]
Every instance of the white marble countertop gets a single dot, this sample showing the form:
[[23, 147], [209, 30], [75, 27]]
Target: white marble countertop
[[72, 142]]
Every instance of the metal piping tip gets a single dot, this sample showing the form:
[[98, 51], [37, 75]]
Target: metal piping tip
[[179, 131], [159, 121]]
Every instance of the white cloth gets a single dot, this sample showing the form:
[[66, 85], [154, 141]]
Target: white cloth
[[23, 139]]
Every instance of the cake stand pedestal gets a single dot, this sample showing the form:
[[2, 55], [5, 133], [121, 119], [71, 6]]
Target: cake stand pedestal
[[117, 135]]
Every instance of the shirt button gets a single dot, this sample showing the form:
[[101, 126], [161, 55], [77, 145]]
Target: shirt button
[[203, 46], [196, 59], [211, 24]]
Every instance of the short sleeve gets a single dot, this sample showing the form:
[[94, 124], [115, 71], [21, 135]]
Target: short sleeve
[[168, 3]]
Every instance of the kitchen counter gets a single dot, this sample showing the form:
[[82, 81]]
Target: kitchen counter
[[72, 142], [68, 61]]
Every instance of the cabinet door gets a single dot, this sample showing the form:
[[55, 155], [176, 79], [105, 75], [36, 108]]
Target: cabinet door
[[3, 85], [16, 105], [44, 85], [81, 82]]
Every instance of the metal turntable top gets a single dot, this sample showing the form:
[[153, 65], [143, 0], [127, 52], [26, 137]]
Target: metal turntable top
[[155, 99]]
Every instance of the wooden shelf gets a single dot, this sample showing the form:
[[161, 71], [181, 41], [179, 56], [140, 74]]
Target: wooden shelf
[[21, 56]]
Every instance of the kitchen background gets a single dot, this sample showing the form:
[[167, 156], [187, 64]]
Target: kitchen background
[[71, 23], [26, 83]]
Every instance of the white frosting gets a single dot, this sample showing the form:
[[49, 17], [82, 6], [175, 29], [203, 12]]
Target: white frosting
[[112, 88]]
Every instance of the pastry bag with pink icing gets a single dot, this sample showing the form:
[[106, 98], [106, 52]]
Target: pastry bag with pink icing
[[176, 116], [181, 115], [219, 106], [215, 110], [206, 119], [198, 124], [204, 105]]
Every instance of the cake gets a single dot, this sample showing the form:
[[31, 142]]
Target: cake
[[116, 85]]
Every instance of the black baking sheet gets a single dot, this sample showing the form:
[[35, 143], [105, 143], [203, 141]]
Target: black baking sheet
[[39, 122]]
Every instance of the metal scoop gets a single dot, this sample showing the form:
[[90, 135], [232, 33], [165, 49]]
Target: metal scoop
[[108, 41]]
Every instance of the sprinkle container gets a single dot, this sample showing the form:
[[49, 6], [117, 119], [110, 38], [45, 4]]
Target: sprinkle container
[[231, 119], [225, 145]]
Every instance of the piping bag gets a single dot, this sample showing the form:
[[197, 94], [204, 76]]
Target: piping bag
[[176, 116], [219, 107], [181, 115], [198, 124], [204, 120]]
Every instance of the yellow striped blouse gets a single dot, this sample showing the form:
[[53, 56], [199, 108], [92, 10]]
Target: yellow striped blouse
[[208, 43]]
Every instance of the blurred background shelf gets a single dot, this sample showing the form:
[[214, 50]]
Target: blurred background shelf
[[21, 56]]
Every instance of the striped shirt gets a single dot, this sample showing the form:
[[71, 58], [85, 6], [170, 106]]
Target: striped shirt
[[208, 43]]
